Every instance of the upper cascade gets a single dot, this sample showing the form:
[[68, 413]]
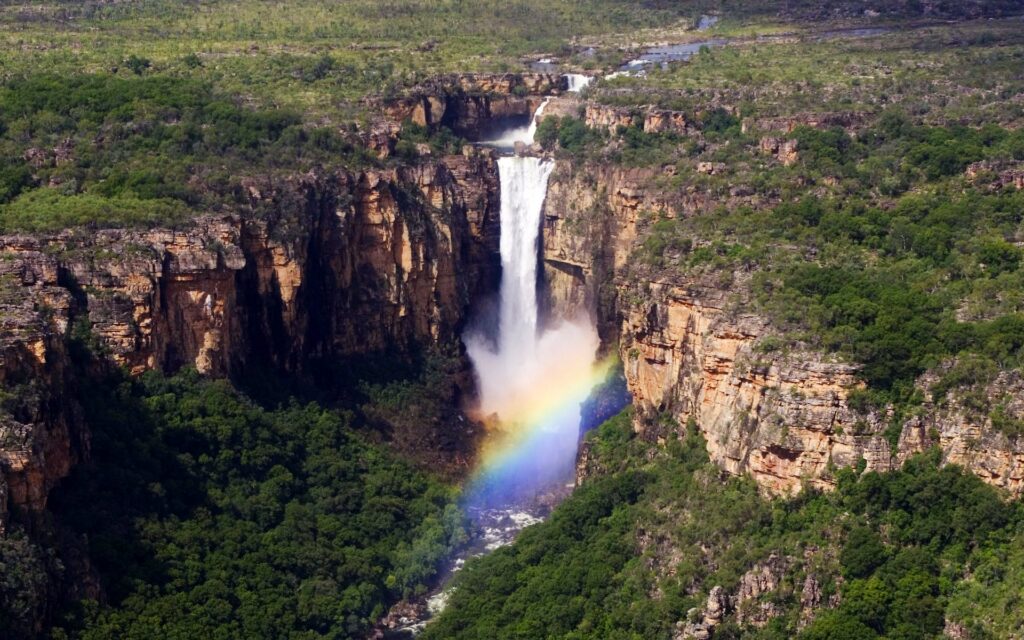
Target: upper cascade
[[525, 133], [531, 131], [577, 82]]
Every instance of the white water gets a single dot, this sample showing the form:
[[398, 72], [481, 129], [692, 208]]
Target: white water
[[577, 81], [524, 183], [531, 133]]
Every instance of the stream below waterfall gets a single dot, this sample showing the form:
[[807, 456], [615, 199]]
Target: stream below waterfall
[[496, 527]]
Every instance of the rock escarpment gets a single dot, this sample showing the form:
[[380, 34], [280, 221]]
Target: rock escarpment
[[693, 349], [690, 351], [310, 267], [467, 103], [785, 418], [41, 428]]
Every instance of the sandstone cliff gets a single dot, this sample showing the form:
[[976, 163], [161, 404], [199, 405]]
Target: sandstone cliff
[[692, 348], [41, 430], [784, 417], [310, 267], [467, 103]]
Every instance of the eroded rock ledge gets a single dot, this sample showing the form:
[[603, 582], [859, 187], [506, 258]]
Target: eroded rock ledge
[[466, 103]]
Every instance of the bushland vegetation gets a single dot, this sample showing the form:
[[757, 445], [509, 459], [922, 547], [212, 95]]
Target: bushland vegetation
[[634, 549], [895, 268], [206, 515], [105, 150]]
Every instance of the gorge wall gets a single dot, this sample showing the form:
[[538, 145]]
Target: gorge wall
[[311, 267], [692, 349]]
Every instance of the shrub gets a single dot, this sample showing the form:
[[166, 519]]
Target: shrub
[[48, 209], [137, 64]]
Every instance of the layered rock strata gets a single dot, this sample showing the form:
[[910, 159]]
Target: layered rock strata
[[311, 267], [466, 104]]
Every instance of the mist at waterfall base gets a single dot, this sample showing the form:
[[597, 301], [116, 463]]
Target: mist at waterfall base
[[532, 379]]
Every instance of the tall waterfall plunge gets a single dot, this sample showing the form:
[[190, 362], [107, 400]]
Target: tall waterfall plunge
[[532, 380], [524, 184]]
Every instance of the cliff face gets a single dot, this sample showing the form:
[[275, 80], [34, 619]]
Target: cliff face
[[467, 103], [692, 349], [312, 267], [781, 418], [41, 431], [969, 438], [784, 418], [590, 225]]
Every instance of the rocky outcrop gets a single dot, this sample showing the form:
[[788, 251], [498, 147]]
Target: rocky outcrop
[[753, 602], [311, 268], [467, 103], [700, 625], [974, 440], [782, 418], [661, 121], [599, 116], [750, 602], [536, 84], [850, 121], [785, 151], [41, 430], [651, 120], [996, 175], [711, 168]]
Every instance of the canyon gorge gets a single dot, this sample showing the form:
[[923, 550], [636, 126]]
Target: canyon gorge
[[565, 320], [333, 265]]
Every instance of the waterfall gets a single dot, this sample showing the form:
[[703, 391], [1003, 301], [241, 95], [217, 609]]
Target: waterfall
[[531, 132], [577, 81], [504, 373], [524, 184], [532, 379]]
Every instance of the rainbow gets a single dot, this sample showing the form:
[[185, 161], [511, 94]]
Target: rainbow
[[533, 443]]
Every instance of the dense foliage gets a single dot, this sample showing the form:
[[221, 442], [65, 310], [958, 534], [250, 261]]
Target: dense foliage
[[633, 550], [106, 150], [208, 516], [27, 577], [570, 134]]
